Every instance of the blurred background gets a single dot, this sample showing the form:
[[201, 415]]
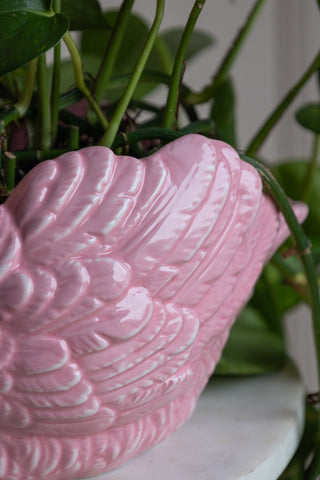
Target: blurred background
[[281, 46]]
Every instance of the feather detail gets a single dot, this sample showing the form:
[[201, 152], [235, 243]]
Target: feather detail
[[120, 279]]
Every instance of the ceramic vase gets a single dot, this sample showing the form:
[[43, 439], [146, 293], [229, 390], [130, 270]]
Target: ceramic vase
[[119, 282]]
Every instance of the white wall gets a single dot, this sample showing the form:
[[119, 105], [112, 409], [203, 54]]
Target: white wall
[[283, 43]]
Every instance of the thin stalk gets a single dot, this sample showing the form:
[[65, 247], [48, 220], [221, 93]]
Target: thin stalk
[[73, 140], [55, 91], [37, 155], [302, 243], [124, 101], [79, 78], [9, 171], [273, 118], [312, 167], [229, 59], [112, 50], [21, 106], [44, 104], [171, 109], [204, 125]]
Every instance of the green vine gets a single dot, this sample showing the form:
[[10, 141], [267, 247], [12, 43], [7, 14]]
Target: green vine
[[303, 245]]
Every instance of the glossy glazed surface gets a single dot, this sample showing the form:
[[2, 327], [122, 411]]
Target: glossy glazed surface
[[119, 281]]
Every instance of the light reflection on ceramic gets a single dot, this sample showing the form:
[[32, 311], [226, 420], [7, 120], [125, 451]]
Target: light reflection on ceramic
[[119, 282]]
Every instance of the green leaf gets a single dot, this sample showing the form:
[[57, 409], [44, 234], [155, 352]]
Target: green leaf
[[26, 35], [39, 6], [223, 113], [84, 14], [199, 41], [291, 175], [309, 117], [252, 348]]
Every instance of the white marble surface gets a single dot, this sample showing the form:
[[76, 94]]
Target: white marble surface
[[242, 429]]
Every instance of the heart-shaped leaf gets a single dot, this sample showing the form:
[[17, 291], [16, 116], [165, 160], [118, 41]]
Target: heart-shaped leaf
[[28, 29], [309, 117], [84, 14]]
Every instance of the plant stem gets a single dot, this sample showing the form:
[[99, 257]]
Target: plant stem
[[114, 124], [44, 104], [27, 159], [73, 142], [302, 243], [79, 77], [112, 50], [171, 109], [229, 59], [312, 167], [55, 90], [266, 128], [9, 171], [37, 155]]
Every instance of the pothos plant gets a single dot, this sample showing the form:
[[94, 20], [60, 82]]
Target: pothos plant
[[97, 96]]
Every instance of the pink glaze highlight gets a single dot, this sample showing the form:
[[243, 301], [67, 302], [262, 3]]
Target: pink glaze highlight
[[119, 281]]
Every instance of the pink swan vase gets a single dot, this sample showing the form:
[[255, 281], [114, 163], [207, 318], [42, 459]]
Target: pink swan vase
[[119, 282]]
